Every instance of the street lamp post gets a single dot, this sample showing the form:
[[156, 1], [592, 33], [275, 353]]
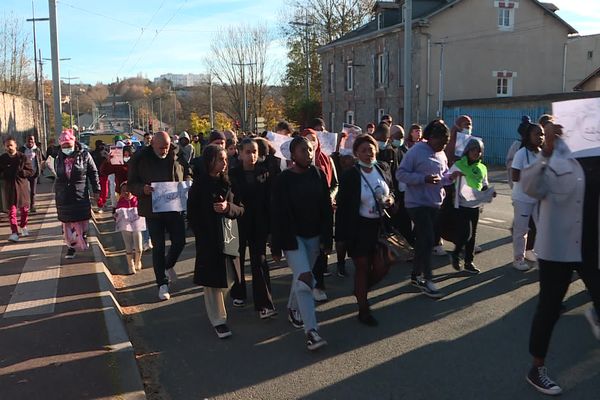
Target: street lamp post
[[70, 99], [33, 20], [306, 25], [243, 66]]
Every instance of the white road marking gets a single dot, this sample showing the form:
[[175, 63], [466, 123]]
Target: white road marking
[[488, 219]]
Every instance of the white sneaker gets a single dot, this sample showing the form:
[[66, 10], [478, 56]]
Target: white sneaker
[[172, 275], [521, 265], [531, 256], [24, 232], [319, 294], [438, 251], [163, 292], [13, 237], [148, 246], [477, 249], [592, 318]]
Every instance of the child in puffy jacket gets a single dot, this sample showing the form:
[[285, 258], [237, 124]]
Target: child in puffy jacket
[[131, 225]]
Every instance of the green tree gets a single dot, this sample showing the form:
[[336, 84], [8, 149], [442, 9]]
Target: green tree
[[66, 120]]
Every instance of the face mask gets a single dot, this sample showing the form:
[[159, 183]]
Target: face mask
[[367, 165], [396, 143], [467, 131], [162, 156], [382, 145], [126, 159], [68, 151]]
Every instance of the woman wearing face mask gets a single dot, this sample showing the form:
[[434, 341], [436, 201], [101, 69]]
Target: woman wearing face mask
[[210, 199], [524, 204], [463, 124], [327, 167], [74, 168], [302, 226], [366, 191], [119, 170]]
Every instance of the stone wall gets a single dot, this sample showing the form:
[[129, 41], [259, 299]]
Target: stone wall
[[18, 117]]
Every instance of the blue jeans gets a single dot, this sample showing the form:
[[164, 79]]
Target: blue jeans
[[301, 261], [174, 224]]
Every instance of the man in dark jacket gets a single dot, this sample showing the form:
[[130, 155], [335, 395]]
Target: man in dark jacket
[[15, 169], [159, 163], [35, 156]]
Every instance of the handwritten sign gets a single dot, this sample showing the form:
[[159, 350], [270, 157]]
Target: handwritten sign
[[581, 125], [328, 141], [116, 155], [349, 134], [128, 219], [281, 144], [170, 196], [462, 139]]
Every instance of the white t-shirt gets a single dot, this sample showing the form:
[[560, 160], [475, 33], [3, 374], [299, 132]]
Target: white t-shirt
[[522, 159], [368, 206]]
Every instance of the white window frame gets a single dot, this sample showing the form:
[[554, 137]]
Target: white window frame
[[380, 69], [331, 77], [349, 76], [504, 83], [379, 20], [506, 14], [380, 114], [350, 117]]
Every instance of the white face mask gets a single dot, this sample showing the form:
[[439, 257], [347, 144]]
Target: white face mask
[[162, 156], [68, 150], [467, 131], [126, 159]]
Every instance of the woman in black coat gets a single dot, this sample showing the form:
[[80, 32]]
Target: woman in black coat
[[74, 168], [365, 192], [211, 207], [252, 183]]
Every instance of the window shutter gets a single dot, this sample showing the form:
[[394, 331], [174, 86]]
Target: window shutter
[[374, 70], [386, 68], [346, 77]]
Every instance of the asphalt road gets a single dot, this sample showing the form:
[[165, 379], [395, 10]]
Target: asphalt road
[[472, 344]]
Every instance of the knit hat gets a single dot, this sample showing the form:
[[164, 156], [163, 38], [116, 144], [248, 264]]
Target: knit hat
[[216, 135], [67, 136]]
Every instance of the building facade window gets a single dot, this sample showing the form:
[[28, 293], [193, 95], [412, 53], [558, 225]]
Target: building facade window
[[380, 70], [379, 21], [350, 117], [349, 75], [506, 14], [380, 114], [331, 77], [504, 83]]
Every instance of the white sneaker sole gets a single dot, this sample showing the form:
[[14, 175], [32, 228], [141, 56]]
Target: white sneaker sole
[[316, 346], [554, 392]]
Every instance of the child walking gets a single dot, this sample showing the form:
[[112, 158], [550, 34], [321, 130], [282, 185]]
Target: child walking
[[131, 225]]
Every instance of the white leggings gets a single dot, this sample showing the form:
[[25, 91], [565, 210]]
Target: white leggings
[[522, 215], [133, 241]]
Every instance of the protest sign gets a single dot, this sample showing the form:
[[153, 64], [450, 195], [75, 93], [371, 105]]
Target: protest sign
[[462, 139], [116, 155], [581, 125], [349, 134], [170, 196], [128, 219], [281, 143], [328, 141]]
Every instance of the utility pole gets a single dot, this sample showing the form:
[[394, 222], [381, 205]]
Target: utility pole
[[210, 98], [77, 103], [440, 110], [160, 112], [44, 131], [306, 25], [174, 112], [55, 68], [243, 66], [70, 99], [33, 20], [407, 64]]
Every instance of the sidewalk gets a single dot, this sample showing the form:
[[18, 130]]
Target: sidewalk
[[61, 335]]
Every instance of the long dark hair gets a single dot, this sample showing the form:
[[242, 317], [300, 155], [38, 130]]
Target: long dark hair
[[526, 140], [209, 157]]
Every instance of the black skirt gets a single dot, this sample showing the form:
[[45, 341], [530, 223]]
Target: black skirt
[[366, 240]]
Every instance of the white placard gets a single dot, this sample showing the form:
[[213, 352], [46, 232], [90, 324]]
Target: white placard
[[462, 139], [581, 125], [281, 143], [349, 134], [170, 196], [128, 219], [328, 141], [116, 155]]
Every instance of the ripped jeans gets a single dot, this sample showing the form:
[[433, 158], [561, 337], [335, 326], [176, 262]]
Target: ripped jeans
[[301, 261]]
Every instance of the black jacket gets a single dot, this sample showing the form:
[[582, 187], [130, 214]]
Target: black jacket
[[283, 230], [347, 228], [39, 159], [71, 193], [15, 171], [256, 199]]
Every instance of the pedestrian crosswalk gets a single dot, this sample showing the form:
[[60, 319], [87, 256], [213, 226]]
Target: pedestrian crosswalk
[[492, 221]]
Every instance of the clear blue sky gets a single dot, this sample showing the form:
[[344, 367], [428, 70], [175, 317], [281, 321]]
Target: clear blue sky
[[110, 38]]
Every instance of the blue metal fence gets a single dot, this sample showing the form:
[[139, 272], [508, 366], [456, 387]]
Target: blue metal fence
[[497, 127]]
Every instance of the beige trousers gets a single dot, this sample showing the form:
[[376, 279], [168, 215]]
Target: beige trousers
[[214, 298]]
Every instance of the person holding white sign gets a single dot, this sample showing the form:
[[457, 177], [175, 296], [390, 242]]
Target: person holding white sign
[[131, 225]]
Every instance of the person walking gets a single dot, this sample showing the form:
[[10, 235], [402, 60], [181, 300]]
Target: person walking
[[566, 241], [366, 191], [252, 182], [523, 205], [15, 170], [75, 173], [302, 225], [211, 204], [424, 170], [159, 163], [36, 157], [131, 225]]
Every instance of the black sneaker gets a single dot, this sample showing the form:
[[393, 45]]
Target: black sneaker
[[267, 313], [428, 288], [414, 280], [223, 331], [455, 261], [341, 270], [239, 303], [472, 269], [70, 253], [539, 379], [314, 341], [326, 273], [295, 318], [367, 319]]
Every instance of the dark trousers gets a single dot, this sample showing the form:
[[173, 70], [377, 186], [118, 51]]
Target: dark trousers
[[32, 191], [261, 280], [401, 221], [555, 278], [467, 219], [531, 235], [424, 219], [173, 224], [319, 270]]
